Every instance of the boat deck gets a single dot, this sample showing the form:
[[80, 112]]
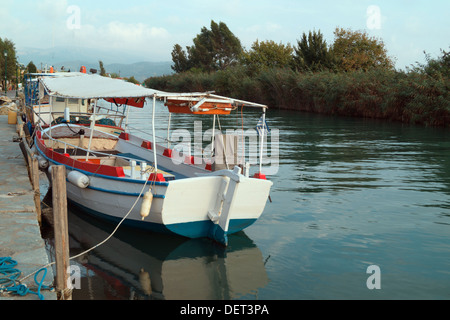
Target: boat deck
[[100, 158]]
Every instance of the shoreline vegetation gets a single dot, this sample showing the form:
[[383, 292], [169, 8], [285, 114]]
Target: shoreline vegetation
[[353, 77], [412, 97]]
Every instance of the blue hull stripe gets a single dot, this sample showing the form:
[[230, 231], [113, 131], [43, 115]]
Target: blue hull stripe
[[156, 196]]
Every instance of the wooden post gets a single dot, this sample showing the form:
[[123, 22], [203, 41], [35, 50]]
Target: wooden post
[[36, 188], [61, 231]]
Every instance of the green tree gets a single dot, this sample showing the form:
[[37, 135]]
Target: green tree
[[355, 50], [267, 54], [8, 47], [214, 49], [132, 80], [436, 68], [102, 68], [312, 53], [31, 67], [180, 59]]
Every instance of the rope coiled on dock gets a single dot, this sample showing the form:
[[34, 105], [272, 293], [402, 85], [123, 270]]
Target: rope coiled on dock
[[9, 282]]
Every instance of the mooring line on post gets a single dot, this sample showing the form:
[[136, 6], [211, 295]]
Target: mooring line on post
[[101, 243]]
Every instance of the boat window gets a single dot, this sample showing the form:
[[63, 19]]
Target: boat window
[[73, 101], [59, 99]]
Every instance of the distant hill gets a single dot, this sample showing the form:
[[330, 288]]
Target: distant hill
[[140, 70], [72, 58]]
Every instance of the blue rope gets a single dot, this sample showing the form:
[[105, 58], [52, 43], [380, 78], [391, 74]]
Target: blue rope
[[9, 275]]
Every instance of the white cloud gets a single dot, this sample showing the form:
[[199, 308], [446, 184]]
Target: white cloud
[[132, 33], [272, 27], [267, 27], [138, 38], [52, 9], [131, 28], [174, 20], [262, 32]]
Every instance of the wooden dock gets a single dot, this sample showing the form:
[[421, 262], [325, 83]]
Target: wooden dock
[[20, 235]]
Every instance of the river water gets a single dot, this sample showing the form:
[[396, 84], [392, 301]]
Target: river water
[[349, 194]]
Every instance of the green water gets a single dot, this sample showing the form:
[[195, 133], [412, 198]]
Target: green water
[[349, 193], [352, 193]]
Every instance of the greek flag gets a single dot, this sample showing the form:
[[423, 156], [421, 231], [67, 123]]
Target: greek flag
[[262, 127]]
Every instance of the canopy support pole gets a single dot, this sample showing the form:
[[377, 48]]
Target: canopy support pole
[[154, 135], [92, 130], [261, 144], [51, 113], [213, 137], [126, 118], [168, 131]]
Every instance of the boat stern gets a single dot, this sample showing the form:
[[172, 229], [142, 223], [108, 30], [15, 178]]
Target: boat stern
[[214, 206]]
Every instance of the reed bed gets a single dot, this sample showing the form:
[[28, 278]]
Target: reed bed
[[410, 97]]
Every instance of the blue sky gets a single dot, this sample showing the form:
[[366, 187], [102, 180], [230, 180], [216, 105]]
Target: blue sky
[[150, 28]]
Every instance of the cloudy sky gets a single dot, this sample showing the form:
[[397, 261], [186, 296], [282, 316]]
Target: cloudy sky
[[150, 28]]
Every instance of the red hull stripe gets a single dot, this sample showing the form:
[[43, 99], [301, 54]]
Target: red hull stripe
[[85, 166]]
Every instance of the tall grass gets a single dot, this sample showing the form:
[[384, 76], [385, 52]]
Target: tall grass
[[410, 97]]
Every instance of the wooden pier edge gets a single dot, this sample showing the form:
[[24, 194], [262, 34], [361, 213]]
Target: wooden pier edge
[[60, 220], [32, 166]]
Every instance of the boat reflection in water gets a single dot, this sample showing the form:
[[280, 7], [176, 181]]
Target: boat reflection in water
[[138, 265]]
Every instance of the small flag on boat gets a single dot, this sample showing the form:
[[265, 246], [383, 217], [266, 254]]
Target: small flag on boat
[[262, 127]]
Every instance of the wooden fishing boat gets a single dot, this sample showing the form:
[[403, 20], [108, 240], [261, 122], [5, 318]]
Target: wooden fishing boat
[[130, 179]]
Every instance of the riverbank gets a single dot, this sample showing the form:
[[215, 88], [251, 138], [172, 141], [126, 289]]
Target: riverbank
[[408, 97], [19, 228]]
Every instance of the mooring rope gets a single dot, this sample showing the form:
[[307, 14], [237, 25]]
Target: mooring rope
[[9, 275], [22, 290]]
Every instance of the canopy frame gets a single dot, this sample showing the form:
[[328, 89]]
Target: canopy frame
[[84, 86]]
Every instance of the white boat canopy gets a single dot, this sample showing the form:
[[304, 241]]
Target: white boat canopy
[[95, 87], [125, 93]]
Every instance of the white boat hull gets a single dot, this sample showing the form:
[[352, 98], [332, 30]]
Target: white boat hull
[[179, 206], [212, 205]]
